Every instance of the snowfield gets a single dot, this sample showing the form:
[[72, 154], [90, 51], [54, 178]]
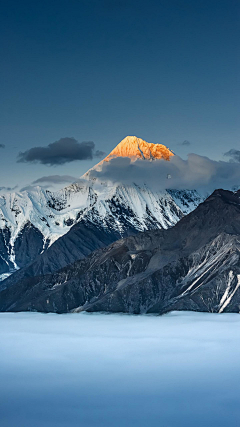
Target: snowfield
[[178, 370]]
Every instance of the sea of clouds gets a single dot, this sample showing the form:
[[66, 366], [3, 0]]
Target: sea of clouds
[[96, 370]]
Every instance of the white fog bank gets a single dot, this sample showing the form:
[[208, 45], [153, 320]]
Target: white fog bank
[[96, 370]]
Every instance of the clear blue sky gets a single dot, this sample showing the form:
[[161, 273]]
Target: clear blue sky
[[98, 70]]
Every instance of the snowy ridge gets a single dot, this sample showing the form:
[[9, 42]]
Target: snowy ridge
[[103, 204]]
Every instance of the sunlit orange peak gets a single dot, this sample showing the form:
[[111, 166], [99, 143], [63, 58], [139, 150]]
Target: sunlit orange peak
[[137, 148]]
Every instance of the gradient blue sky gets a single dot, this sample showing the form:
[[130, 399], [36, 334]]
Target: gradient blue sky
[[98, 70]]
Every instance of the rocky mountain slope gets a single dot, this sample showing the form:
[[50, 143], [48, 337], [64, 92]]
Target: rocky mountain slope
[[194, 265], [31, 221]]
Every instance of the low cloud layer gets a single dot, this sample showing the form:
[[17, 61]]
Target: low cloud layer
[[197, 172], [234, 155], [65, 150]]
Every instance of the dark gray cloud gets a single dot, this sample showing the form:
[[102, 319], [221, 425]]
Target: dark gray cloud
[[197, 172], [185, 143], [55, 179], [2, 146], [234, 155], [63, 151]]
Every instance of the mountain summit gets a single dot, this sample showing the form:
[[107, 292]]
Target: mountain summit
[[137, 148], [134, 148]]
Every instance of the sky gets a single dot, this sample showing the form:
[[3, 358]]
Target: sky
[[95, 71]]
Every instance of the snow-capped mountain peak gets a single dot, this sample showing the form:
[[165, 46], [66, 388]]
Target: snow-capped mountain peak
[[134, 148], [137, 148], [30, 221]]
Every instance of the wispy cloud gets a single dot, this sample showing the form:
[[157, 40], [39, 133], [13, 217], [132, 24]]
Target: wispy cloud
[[6, 189], [55, 179], [185, 143], [2, 145], [31, 187], [233, 154]]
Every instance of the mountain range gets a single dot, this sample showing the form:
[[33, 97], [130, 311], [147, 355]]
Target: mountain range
[[194, 265], [99, 245], [87, 215]]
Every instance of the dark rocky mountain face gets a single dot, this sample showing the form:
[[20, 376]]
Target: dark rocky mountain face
[[5, 264], [193, 266], [26, 247], [81, 240]]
